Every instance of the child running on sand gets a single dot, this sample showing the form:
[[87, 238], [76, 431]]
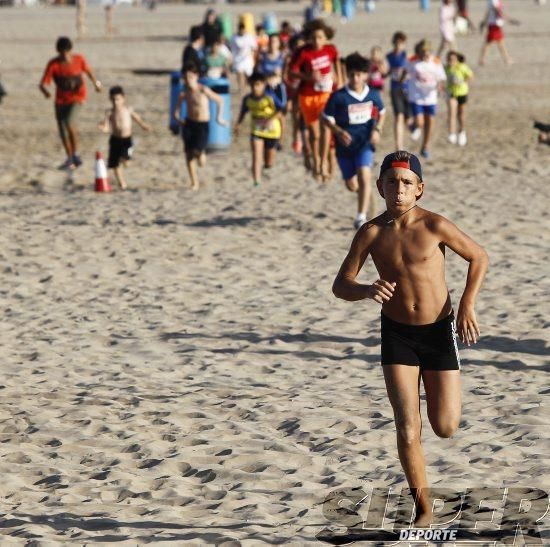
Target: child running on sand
[[243, 48], [355, 115], [67, 72], [378, 69], [402, 112], [494, 21], [317, 66], [447, 18], [118, 120], [265, 113], [458, 76], [426, 78], [194, 128], [418, 329]]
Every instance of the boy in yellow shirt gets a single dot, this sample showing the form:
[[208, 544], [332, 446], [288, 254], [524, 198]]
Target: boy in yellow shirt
[[265, 115], [458, 76]]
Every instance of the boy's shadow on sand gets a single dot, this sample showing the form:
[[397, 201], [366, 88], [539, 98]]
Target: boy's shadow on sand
[[66, 521], [501, 344], [226, 221]]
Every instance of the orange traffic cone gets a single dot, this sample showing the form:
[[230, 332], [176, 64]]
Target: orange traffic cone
[[101, 180]]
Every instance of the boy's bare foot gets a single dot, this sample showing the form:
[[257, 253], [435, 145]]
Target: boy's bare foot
[[423, 519]]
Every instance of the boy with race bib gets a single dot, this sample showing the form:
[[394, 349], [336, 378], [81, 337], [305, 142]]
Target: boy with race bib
[[265, 112], [355, 115], [317, 66]]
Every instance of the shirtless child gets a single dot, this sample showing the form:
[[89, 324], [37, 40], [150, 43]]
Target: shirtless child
[[194, 129], [119, 120], [418, 330]]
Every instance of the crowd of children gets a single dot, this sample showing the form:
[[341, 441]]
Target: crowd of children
[[335, 104]]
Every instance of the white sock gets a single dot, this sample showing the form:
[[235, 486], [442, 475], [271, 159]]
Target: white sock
[[361, 216]]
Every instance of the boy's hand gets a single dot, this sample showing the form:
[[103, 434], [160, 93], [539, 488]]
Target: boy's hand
[[46, 93], [381, 291], [97, 85], [375, 136], [466, 324], [344, 137], [236, 131]]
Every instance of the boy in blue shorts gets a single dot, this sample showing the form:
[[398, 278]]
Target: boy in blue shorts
[[355, 115]]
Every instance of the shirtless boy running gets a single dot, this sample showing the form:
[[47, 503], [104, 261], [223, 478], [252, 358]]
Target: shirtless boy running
[[119, 120], [194, 129], [407, 245]]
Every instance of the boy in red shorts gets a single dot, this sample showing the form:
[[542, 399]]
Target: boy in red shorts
[[494, 21]]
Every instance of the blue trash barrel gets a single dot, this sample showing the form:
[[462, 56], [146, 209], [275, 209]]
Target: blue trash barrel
[[219, 137], [424, 5], [348, 8], [269, 22]]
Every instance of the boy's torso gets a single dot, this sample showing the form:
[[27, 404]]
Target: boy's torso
[[413, 257], [356, 113], [262, 111], [121, 122], [197, 105]]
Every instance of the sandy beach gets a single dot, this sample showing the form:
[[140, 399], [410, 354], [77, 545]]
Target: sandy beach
[[175, 367]]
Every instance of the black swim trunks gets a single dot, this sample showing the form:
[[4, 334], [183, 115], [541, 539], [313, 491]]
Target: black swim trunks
[[195, 136], [120, 149], [432, 346]]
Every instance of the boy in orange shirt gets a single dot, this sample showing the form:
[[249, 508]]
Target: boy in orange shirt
[[67, 71]]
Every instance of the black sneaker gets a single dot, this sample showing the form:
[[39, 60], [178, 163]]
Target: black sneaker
[[77, 161]]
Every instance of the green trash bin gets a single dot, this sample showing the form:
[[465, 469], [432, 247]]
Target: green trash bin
[[226, 22], [336, 6]]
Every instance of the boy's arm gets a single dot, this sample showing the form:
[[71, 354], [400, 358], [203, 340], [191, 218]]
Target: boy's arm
[[328, 119], [46, 80], [177, 109], [137, 118], [242, 114], [89, 72], [338, 68], [484, 21], [478, 259], [345, 285], [104, 125], [212, 95], [341, 134]]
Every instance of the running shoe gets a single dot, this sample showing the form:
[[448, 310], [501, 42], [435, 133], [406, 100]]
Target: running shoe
[[67, 164], [416, 133]]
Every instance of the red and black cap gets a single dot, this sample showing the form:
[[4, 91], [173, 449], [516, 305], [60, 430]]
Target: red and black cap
[[395, 160]]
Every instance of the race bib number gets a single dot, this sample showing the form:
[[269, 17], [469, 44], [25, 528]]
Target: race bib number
[[323, 84], [69, 83], [359, 113], [263, 125]]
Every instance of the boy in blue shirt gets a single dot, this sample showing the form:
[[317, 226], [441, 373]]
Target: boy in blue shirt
[[355, 115]]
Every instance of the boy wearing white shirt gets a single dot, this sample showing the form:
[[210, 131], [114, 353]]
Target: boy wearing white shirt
[[426, 80]]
